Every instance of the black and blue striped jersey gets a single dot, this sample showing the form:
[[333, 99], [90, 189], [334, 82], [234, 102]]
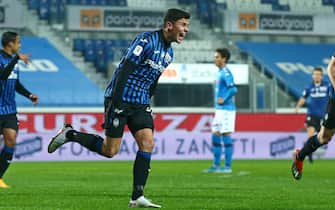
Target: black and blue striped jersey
[[149, 55], [8, 85]]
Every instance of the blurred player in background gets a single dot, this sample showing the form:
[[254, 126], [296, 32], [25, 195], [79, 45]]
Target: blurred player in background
[[225, 111], [315, 96], [9, 83], [327, 129], [127, 100]]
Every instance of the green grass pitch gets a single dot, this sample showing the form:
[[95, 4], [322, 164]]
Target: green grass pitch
[[106, 185]]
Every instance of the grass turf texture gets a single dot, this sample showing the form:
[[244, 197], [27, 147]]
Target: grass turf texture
[[256, 184]]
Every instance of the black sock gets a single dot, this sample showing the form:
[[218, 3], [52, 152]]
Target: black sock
[[90, 141], [140, 173], [310, 146], [6, 157]]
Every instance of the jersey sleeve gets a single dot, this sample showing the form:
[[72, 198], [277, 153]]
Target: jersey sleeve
[[305, 93], [139, 49], [227, 77]]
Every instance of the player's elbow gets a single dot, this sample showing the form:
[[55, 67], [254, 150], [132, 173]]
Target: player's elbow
[[234, 90]]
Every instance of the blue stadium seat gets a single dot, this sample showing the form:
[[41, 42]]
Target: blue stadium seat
[[78, 45], [61, 10], [109, 53], [89, 55], [278, 7], [117, 2], [119, 43], [99, 44], [89, 51], [44, 9], [101, 62], [73, 2], [269, 2], [186, 1], [33, 4], [97, 2], [84, 2]]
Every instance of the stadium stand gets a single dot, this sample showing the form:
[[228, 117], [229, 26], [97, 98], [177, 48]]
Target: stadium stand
[[291, 64], [56, 80], [100, 50]]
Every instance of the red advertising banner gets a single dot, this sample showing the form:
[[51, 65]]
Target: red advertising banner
[[197, 122]]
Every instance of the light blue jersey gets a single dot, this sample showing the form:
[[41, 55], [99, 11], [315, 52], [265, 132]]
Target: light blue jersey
[[225, 88]]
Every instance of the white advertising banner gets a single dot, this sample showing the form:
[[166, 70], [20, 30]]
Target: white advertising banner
[[278, 23], [174, 145], [11, 14], [202, 73], [113, 18]]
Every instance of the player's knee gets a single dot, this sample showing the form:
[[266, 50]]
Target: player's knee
[[147, 146], [11, 142], [111, 152]]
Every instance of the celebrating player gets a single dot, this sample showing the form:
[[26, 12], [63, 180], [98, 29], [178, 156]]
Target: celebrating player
[[127, 100]]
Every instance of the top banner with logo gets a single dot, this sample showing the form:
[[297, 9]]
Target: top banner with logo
[[113, 19], [202, 73], [279, 23], [11, 14]]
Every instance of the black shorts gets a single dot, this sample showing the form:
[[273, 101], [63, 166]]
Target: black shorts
[[329, 119], [136, 116], [313, 121], [9, 121]]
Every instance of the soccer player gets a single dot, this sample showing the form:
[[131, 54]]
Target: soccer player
[[327, 129], [9, 83], [224, 120], [315, 96], [127, 100]]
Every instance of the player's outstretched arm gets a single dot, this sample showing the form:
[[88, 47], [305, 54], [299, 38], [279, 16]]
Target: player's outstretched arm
[[300, 103], [331, 70], [23, 91], [24, 57]]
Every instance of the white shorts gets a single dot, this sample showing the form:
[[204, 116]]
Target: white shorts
[[224, 121]]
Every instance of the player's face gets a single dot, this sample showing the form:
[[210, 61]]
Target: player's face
[[179, 30], [219, 60], [16, 45], [317, 76]]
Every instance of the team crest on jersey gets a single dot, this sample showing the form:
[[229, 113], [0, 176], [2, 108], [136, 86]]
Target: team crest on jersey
[[116, 122], [138, 49], [167, 58]]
